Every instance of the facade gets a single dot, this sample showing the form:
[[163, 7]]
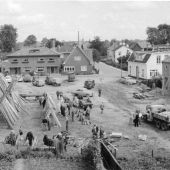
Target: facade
[[166, 76], [146, 65], [79, 61], [41, 60]]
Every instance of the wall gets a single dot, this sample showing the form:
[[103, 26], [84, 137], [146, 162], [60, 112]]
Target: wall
[[133, 69], [77, 64], [166, 78]]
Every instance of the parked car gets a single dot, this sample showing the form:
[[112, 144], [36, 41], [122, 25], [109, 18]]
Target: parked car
[[89, 84], [8, 79], [53, 81], [27, 78], [38, 83]]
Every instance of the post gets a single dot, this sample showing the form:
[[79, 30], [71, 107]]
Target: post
[[121, 67]]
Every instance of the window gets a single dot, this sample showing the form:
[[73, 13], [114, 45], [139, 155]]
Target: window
[[34, 51], [25, 60], [14, 61], [158, 59], [41, 60], [51, 60], [142, 72], [40, 69], [77, 58], [83, 68], [69, 68], [119, 53], [153, 73], [27, 69]]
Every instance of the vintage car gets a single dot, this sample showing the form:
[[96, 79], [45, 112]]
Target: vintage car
[[89, 84], [38, 82], [52, 81]]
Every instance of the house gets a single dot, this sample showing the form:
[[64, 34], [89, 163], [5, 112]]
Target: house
[[79, 61], [111, 50], [144, 45], [146, 65], [42, 60], [166, 76], [121, 51], [135, 46]]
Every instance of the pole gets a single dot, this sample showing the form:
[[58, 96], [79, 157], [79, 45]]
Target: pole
[[121, 67], [78, 37]]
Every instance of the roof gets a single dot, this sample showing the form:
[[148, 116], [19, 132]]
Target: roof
[[65, 49], [143, 43], [87, 53], [134, 45], [41, 51], [139, 57]]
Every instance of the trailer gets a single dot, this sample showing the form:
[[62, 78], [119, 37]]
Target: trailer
[[158, 115]]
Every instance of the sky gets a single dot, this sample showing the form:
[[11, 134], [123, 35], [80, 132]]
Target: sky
[[63, 19]]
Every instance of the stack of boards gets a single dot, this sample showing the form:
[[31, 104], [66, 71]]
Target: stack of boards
[[10, 102]]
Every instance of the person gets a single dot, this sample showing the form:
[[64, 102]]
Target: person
[[44, 100], [61, 144], [30, 138], [58, 95], [99, 92], [95, 131], [20, 139], [67, 123], [136, 120], [102, 108], [11, 138], [88, 114], [62, 108], [101, 132], [45, 123], [140, 118]]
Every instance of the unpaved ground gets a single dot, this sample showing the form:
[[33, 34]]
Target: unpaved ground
[[119, 104]]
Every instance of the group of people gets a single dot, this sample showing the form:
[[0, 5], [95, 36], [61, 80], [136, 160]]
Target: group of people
[[18, 139], [98, 132]]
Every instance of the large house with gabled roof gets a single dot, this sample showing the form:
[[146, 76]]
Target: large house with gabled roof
[[146, 65], [79, 61], [41, 60]]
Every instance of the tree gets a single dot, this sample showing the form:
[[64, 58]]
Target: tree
[[30, 40], [96, 55], [49, 44], [8, 37], [159, 35], [44, 41]]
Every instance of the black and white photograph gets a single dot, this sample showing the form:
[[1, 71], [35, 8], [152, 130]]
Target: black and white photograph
[[84, 85]]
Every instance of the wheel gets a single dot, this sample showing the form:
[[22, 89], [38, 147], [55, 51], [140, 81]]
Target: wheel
[[164, 126], [158, 124]]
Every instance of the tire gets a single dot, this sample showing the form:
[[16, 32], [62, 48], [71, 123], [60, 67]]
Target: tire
[[164, 126], [158, 124]]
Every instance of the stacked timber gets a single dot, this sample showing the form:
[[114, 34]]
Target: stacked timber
[[10, 102], [51, 110]]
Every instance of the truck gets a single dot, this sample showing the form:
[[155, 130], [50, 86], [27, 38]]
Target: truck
[[158, 115]]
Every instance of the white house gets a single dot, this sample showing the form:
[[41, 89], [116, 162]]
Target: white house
[[146, 65], [121, 51]]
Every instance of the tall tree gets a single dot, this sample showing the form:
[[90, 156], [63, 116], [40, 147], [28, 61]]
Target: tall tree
[[49, 44], [30, 40], [44, 41], [159, 35], [8, 37]]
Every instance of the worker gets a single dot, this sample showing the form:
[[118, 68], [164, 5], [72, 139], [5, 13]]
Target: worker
[[102, 108], [58, 95], [30, 138], [20, 139], [136, 120], [99, 92], [67, 123], [87, 114]]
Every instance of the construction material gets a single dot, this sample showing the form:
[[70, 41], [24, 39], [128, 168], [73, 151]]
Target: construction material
[[10, 102]]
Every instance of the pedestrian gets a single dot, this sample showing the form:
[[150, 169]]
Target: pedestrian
[[99, 92], [30, 138], [72, 115], [58, 95], [136, 120], [20, 139], [102, 108], [101, 132], [87, 114], [67, 123]]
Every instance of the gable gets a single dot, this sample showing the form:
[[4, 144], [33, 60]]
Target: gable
[[77, 57]]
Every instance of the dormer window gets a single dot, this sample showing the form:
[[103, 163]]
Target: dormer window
[[34, 50]]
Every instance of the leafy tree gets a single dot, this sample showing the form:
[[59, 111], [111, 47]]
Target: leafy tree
[[96, 55], [30, 40], [8, 37], [49, 44], [159, 35], [44, 41]]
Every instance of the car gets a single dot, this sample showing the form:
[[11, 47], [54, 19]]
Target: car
[[27, 78], [19, 78], [89, 84], [38, 83], [127, 80], [52, 81], [81, 94]]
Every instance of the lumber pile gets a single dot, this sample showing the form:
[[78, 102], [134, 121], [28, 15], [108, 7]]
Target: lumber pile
[[10, 102], [51, 110]]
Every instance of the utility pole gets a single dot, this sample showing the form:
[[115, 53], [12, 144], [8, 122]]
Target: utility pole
[[78, 38]]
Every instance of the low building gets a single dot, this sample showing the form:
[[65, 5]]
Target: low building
[[41, 60], [79, 61], [146, 65]]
